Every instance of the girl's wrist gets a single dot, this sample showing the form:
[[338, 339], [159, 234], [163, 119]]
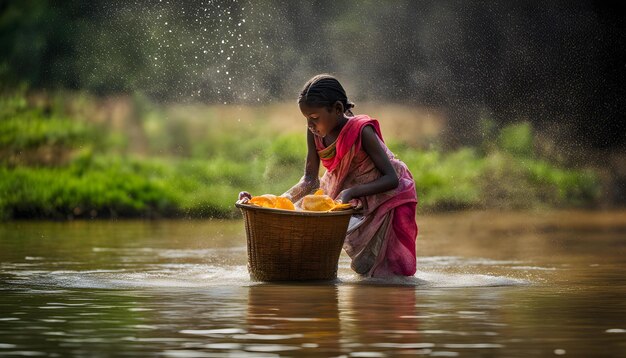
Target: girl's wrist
[[353, 193], [346, 195]]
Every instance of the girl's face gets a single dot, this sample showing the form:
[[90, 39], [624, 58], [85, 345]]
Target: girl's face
[[320, 120]]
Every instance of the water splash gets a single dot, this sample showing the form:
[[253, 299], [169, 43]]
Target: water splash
[[209, 50], [223, 269]]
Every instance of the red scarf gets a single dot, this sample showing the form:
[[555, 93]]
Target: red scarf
[[349, 136]]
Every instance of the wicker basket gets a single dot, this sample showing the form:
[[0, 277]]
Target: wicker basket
[[288, 245]]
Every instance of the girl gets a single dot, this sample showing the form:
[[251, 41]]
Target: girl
[[360, 169]]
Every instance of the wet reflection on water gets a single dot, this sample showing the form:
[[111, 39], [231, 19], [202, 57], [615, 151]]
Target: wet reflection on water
[[491, 285], [307, 317]]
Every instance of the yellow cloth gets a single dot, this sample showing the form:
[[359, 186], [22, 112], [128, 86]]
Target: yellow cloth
[[316, 202], [321, 202], [272, 201]]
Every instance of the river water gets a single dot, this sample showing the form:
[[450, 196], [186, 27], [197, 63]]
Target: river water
[[488, 284]]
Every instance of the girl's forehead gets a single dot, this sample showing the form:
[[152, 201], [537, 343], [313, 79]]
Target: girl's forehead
[[306, 109]]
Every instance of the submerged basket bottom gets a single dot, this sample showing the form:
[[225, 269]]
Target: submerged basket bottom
[[269, 275]]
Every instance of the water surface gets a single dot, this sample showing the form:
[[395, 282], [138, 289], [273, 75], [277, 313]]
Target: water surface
[[488, 284]]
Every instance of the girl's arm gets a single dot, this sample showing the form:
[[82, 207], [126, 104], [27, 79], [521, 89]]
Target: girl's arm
[[389, 178], [310, 181]]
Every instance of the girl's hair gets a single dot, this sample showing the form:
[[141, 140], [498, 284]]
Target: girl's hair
[[324, 91]]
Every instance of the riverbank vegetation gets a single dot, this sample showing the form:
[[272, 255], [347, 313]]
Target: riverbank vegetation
[[67, 156]]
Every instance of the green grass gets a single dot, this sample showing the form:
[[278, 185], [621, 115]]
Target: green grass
[[445, 180], [131, 187], [112, 186], [195, 166]]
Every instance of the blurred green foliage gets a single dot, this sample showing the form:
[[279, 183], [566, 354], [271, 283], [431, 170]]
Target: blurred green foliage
[[517, 139], [29, 129], [192, 164], [38, 134], [444, 181]]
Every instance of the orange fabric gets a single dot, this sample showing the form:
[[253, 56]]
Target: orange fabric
[[272, 201], [321, 202]]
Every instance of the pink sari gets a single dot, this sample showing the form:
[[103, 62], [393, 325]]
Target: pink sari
[[381, 241]]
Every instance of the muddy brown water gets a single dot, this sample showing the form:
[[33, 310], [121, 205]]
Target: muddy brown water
[[488, 284]]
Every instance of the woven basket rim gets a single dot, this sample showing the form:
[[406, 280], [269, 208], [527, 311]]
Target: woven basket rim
[[297, 212]]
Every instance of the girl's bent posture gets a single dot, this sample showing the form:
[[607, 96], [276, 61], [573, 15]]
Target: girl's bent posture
[[359, 169]]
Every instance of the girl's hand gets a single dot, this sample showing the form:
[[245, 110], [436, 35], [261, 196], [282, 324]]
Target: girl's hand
[[345, 196], [244, 196]]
